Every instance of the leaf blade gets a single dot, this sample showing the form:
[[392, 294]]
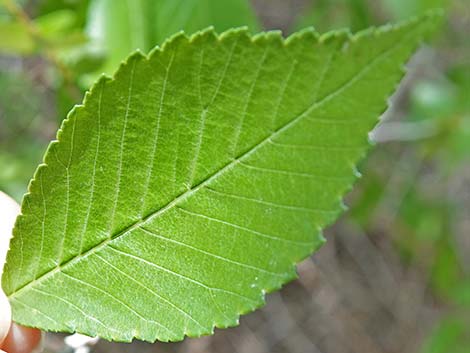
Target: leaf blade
[[219, 156]]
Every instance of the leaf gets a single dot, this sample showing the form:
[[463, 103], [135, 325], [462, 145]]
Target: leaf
[[59, 29], [327, 14], [21, 129], [190, 16], [450, 335], [402, 9], [121, 27], [190, 184], [55, 30], [15, 39]]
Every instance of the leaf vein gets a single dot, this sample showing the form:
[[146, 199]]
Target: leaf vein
[[268, 203], [157, 132], [204, 112], [174, 306], [36, 310], [316, 147], [285, 84], [117, 300], [93, 174], [43, 226], [292, 173], [121, 149], [70, 304], [232, 225], [167, 270], [239, 127], [152, 233]]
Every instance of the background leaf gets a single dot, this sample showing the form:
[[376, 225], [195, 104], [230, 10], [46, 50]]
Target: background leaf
[[191, 183], [124, 26], [15, 38]]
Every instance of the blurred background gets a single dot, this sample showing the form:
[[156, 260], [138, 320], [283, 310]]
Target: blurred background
[[395, 273]]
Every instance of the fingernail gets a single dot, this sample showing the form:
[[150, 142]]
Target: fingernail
[[22, 340], [40, 347]]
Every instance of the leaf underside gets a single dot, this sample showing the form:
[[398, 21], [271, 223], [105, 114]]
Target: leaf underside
[[190, 184]]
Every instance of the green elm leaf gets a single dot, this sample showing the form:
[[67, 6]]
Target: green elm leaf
[[191, 183]]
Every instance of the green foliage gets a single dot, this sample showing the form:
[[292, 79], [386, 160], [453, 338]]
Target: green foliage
[[189, 185], [15, 38], [359, 14], [405, 8], [193, 15], [451, 336], [58, 29], [21, 127], [78, 7], [54, 31], [328, 14], [120, 27]]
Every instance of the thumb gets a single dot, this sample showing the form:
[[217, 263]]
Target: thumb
[[9, 209], [5, 316]]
